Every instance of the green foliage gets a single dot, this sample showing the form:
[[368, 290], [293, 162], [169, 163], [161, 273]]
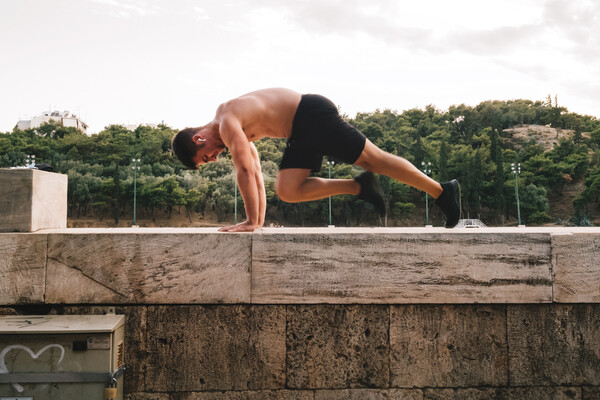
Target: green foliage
[[534, 203], [403, 210], [464, 142]]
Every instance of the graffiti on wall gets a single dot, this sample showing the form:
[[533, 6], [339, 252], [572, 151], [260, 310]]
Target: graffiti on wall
[[6, 350]]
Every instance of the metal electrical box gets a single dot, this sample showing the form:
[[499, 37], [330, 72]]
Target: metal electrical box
[[61, 357]]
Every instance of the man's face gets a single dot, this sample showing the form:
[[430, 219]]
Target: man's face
[[207, 153]]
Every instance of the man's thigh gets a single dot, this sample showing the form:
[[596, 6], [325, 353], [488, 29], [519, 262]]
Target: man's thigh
[[291, 177]]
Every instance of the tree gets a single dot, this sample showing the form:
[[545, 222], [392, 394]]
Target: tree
[[534, 203]]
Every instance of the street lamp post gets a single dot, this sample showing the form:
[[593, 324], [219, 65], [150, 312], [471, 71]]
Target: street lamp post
[[30, 161], [427, 171], [329, 164], [516, 169], [135, 168]]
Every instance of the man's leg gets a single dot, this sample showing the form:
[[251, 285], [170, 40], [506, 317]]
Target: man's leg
[[378, 161], [447, 194], [294, 185]]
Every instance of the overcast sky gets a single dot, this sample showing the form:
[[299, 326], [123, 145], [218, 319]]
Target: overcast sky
[[148, 61]]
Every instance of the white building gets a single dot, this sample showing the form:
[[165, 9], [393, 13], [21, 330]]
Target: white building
[[64, 118]]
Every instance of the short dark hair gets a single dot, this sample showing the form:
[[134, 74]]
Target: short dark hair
[[184, 147]]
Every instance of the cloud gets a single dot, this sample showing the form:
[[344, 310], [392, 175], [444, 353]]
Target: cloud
[[200, 13], [129, 8]]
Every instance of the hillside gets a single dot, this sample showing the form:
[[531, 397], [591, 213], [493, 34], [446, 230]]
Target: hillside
[[546, 136]]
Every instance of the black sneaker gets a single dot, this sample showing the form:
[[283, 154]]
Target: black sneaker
[[449, 202], [370, 191]]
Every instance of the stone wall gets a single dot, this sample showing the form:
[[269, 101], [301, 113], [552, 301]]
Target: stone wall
[[329, 313]]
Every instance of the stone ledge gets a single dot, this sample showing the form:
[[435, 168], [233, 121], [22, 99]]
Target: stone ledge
[[301, 266]]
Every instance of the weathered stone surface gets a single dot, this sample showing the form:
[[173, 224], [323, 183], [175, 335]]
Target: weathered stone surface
[[198, 348], [337, 346], [384, 267], [577, 267], [247, 395], [590, 393], [136, 342], [529, 393], [148, 396], [22, 268], [448, 346], [32, 200], [148, 268], [369, 394], [554, 345]]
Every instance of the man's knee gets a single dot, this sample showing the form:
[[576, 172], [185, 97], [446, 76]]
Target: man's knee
[[370, 158], [285, 191]]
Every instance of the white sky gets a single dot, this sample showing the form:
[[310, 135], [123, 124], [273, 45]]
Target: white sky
[[147, 61]]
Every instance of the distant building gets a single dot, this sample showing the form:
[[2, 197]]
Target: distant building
[[65, 118], [133, 127]]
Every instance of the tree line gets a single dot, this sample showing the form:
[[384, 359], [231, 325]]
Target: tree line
[[465, 142]]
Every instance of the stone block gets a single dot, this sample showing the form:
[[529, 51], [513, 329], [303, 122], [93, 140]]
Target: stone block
[[22, 268], [32, 199], [247, 395], [369, 394], [448, 346], [148, 396], [384, 267], [148, 268], [341, 346], [202, 348], [554, 345], [525, 393], [590, 393], [577, 267]]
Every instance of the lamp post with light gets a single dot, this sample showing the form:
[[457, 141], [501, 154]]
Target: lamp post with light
[[30, 161], [516, 169], [329, 164], [135, 168], [426, 171]]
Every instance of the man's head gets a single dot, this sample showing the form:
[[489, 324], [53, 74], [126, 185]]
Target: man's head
[[196, 146]]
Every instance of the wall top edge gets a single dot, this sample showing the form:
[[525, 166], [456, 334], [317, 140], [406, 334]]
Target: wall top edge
[[322, 231]]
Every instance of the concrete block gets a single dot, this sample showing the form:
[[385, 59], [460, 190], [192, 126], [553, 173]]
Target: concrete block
[[148, 268], [247, 395], [32, 199], [577, 267], [527, 393], [448, 346], [554, 345], [384, 267], [332, 347], [369, 394], [200, 348], [22, 268]]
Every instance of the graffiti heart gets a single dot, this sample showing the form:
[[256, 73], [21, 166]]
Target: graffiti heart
[[4, 370]]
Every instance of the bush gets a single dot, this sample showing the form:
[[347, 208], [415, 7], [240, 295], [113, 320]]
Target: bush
[[539, 217]]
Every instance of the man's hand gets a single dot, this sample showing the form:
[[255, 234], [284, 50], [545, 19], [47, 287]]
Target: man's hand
[[241, 227]]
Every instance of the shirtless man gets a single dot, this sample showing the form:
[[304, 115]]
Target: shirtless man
[[313, 128]]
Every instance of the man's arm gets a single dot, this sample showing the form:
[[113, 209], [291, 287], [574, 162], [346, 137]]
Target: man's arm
[[260, 184], [245, 167]]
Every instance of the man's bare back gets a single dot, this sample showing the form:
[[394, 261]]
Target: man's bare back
[[263, 113]]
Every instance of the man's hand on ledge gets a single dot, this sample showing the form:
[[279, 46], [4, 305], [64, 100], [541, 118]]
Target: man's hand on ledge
[[241, 227]]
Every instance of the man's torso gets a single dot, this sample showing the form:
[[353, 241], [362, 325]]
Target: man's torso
[[264, 113]]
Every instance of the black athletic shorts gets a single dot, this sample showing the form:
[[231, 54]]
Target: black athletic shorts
[[319, 130]]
